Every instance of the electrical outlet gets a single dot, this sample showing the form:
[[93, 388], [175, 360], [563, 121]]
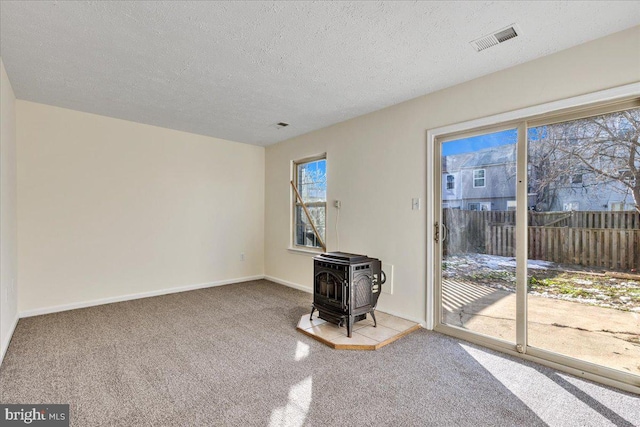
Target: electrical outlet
[[337, 204], [387, 288], [241, 256]]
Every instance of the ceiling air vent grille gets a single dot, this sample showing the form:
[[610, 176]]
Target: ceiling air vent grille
[[496, 38], [279, 125]]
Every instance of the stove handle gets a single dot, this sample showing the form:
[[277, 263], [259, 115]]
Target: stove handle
[[345, 291]]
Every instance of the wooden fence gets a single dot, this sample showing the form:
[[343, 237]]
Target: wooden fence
[[589, 238], [611, 248], [467, 229], [629, 220]]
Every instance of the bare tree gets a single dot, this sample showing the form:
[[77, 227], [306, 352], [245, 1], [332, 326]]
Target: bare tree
[[605, 148]]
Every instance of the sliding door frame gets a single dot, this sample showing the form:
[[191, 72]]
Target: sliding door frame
[[548, 113], [437, 264]]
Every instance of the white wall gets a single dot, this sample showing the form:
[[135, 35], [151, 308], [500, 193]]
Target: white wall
[[376, 163], [8, 228], [109, 208]]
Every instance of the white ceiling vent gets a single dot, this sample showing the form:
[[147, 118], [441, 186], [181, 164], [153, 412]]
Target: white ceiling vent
[[496, 38]]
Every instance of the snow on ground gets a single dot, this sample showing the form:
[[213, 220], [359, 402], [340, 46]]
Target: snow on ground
[[547, 279]]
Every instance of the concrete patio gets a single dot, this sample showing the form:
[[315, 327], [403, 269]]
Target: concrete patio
[[604, 336]]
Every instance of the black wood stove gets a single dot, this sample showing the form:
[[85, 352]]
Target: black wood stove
[[346, 287]]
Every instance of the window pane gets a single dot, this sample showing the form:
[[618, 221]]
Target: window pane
[[478, 178], [312, 181], [304, 231], [451, 182], [478, 267], [584, 249]]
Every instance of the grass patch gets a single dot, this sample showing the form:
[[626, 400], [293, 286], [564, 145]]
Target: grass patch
[[491, 275], [573, 291]]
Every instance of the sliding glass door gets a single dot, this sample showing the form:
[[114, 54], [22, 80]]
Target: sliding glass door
[[478, 190], [537, 238], [584, 239]]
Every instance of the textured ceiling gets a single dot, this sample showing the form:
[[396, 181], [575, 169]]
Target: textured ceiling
[[233, 69]]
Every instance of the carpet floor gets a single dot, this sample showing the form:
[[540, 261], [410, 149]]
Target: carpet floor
[[231, 356]]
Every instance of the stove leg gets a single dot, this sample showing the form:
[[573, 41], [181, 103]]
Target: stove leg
[[373, 316], [311, 315]]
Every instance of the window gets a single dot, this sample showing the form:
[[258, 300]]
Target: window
[[479, 178], [625, 175], [451, 182], [482, 206], [576, 179], [622, 206], [310, 177], [511, 205]]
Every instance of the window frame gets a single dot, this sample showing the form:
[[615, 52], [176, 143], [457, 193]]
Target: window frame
[[577, 178], [484, 178], [293, 245], [450, 184], [571, 206], [479, 206]]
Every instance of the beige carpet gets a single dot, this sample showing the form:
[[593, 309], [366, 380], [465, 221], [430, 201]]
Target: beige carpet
[[231, 356]]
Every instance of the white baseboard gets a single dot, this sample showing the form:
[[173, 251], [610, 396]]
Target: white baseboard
[[290, 284], [84, 304], [7, 340]]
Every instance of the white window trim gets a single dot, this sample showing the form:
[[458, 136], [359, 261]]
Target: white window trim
[[579, 368], [304, 250], [453, 182], [484, 178], [293, 247]]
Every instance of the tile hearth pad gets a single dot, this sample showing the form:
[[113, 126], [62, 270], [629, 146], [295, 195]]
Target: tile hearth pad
[[365, 336]]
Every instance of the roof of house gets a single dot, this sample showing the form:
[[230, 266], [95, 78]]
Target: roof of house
[[501, 154]]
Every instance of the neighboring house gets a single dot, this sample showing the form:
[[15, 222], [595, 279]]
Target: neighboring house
[[486, 180], [584, 192], [482, 180], [451, 183]]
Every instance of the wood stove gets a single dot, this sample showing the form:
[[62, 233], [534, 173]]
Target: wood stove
[[346, 287]]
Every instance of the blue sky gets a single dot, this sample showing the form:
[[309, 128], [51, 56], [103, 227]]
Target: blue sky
[[479, 142], [318, 168], [314, 171]]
